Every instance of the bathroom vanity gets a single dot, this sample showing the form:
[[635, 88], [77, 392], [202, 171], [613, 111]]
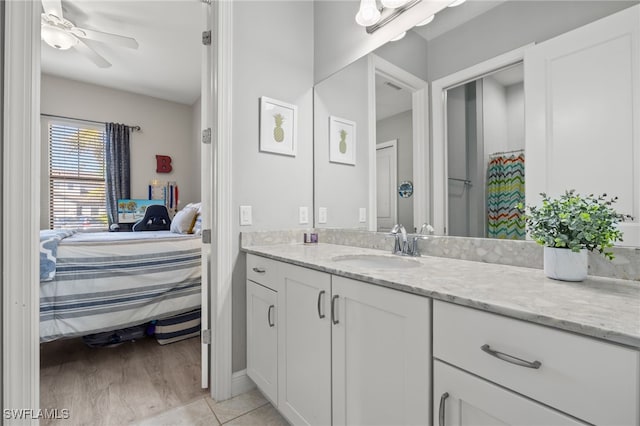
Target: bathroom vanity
[[346, 335]]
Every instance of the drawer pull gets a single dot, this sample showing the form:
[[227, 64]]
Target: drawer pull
[[333, 310], [259, 269], [320, 314], [510, 358], [443, 398], [271, 324]]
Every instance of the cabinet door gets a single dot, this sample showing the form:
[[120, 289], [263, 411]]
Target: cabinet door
[[582, 108], [460, 398], [262, 339], [304, 346], [381, 344]]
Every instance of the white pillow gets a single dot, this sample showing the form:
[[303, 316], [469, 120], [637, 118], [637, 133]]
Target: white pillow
[[183, 221]]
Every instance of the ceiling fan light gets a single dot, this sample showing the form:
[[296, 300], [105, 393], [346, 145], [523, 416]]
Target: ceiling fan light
[[426, 21], [456, 3], [57, 37], [368, 13], [394, 4]]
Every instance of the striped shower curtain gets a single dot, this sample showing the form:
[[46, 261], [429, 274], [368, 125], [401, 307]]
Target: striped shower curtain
[[505, 180]]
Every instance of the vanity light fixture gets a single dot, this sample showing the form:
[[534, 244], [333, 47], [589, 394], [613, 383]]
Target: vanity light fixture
[[456, 3], [373, 17], [399, 36], [426, 21]]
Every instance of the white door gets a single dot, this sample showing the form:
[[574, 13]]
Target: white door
[[461, 399], [582, 108], [304, 346], [386, 184], [207, 93], [381, 347], [262, 339]]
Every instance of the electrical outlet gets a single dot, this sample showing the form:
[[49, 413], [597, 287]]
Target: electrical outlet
[[363, 214], [245, 216], [322, 215], [303, 214]]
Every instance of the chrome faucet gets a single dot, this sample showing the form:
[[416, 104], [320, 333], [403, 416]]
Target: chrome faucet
[[399, 247]]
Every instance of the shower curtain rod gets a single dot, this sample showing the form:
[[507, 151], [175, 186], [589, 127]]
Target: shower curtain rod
[[132, 128], [506, 152]]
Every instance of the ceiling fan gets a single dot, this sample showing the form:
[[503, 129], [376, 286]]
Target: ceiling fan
[[62, 34]]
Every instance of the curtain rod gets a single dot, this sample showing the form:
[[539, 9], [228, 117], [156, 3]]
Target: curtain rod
[[132, 128], [506, 152]]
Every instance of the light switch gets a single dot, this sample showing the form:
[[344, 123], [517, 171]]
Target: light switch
[[363, 214], [322, 215], [303, 214], [245, 215]]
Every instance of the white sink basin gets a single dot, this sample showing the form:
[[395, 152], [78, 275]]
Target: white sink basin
[[377, 261]]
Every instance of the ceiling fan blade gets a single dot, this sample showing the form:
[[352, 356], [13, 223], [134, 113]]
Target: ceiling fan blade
[[52, 7], [105, 37], [94, 56]]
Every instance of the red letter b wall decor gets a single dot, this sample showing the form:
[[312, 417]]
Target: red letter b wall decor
[[163, 164]]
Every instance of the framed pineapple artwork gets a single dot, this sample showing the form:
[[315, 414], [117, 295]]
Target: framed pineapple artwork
[[342, 141], [278, 126]]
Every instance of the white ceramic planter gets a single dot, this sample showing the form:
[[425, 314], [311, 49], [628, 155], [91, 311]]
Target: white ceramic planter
[[564, 264]]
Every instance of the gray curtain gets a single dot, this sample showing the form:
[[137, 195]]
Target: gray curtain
[[118, 159]]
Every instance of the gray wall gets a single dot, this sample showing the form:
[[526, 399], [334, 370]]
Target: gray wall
[[2, 27], [409, 53], [272, 56], [400, 126], [509, 26], [342, 188]]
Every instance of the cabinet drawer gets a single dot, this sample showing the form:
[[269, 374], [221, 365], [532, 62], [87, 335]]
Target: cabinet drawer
[[262, 271], [592, 380]]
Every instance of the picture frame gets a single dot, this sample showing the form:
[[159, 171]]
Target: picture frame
[[342, 141], [278, 127]]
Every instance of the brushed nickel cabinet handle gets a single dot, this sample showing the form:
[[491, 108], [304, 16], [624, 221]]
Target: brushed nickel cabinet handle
[[443, 398], [510, 358], [320, 314], [259, 269], [333, 309], [271, 307]]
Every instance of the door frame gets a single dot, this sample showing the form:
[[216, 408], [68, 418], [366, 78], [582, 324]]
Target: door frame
[[20, 224], [394, 145], [421, 153], [440, 212]]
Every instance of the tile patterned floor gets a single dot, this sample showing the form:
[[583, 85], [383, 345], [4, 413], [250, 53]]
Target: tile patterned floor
[[139, 383]]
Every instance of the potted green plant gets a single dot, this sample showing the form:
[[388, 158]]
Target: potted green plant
[[568, 227]]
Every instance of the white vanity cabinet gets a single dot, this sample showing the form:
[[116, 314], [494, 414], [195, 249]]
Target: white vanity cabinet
[[483, 361], [304, 346], [348, 352], [262, 325]]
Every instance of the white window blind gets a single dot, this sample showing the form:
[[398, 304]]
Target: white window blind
[[77, 187]]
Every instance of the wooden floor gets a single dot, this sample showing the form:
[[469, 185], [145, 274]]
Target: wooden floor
[[120, 385]]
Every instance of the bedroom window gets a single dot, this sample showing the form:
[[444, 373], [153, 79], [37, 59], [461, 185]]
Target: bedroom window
[[77, 197]]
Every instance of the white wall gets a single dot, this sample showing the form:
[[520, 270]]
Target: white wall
[[494, 113], [272, 56], [515, 116], [400, 127], [342, 189], [339, 41], [166, 129]]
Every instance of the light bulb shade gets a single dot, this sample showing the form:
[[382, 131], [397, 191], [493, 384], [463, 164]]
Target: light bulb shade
[[456, 3], [368, 13], [426, 21], [399, 36], [394, 4], [57, 37]]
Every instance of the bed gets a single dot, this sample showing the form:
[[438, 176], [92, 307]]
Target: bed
[[109, 280]]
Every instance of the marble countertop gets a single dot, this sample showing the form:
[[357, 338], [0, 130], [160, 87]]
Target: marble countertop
[[605, 308]]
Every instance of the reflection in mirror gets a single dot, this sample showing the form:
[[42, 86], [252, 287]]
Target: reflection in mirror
[[394, 150], [485, 155]]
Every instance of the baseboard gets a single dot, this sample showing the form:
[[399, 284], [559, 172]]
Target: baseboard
[[241, 383]]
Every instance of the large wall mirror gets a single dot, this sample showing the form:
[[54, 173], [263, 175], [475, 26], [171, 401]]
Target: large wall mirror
[[452, 139]]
